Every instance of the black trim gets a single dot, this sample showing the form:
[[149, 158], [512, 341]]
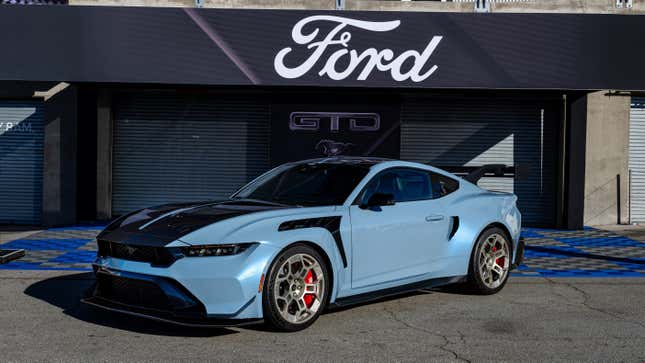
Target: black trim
[[519, 255], [10, 255], [454, 227], [397, 290], [147, 292], [332, 224], [156, 256]]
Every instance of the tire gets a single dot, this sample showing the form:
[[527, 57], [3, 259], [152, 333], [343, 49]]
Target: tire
[[490, 262], [289, 303]]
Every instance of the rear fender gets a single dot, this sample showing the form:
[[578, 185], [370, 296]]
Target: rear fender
[[477, 213]]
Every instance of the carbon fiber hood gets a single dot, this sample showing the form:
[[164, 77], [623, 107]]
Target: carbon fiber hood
[[160, 225]]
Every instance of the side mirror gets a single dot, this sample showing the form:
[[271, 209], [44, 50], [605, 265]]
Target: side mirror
[[378, 200]]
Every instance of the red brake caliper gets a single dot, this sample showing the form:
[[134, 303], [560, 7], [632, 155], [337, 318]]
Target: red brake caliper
[[499, 261], [309, 298]]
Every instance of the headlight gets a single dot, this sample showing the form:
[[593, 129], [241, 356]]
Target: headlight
[[215, 250]]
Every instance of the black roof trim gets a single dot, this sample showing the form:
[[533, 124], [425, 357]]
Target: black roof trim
[[353, 160]]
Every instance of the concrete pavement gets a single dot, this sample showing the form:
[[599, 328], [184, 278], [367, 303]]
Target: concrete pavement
[[533, 318]]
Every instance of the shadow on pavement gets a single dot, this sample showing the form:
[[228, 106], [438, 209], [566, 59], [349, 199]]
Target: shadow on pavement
[[65, 292]]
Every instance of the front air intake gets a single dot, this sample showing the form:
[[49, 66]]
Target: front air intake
[[158, 256]]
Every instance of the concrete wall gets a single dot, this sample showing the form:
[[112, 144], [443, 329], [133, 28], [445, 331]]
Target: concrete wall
[[569, 6], [559, 6], [607, 154], [104, 127], [59, 164]]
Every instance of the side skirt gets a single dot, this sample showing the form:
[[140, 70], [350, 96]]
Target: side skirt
[[392, 291]]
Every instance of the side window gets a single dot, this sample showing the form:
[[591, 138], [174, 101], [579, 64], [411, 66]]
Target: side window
[[413, 185], [442, 185], [404, 184]]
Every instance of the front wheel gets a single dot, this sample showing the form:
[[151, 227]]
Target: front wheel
[[296, 290], [490, 262]]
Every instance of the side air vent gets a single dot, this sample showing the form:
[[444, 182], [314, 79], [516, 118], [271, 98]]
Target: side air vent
[[454, 226]]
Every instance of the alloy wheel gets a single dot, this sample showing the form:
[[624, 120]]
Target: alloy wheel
[[493, 260], [299, 288]]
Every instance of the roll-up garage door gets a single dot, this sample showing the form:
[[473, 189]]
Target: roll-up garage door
[[21, 162], [637, 160], [173, 148], [473, 131]]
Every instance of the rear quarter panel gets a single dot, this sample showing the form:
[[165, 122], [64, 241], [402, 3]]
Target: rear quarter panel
[[477, 209]]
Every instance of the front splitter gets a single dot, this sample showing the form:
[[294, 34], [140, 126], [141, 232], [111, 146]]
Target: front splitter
[[166, 317]]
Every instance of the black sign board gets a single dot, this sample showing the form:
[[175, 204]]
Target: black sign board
[[311, 130], [322, 48]]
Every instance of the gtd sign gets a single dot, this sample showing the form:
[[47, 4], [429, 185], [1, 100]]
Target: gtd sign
[[314, 121], [363, 63]]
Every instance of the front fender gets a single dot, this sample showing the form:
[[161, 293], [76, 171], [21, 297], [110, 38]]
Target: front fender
[[318, 237]]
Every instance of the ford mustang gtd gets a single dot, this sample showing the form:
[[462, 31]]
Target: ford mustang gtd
[[305, 236]]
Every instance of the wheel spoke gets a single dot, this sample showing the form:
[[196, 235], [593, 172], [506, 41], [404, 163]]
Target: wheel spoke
[[493, 240], [280, 279], [498, 270], [311, 289], [303, 273]]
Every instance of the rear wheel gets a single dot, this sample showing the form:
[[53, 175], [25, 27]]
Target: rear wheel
[[296, 290], [490, 262]]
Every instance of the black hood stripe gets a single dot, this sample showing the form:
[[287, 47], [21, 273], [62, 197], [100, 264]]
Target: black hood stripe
[[158, 226]]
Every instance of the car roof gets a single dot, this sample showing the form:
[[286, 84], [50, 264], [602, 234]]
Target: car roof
[[371, 163]]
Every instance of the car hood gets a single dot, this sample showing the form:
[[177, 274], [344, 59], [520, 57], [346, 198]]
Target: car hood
[[161, 225]]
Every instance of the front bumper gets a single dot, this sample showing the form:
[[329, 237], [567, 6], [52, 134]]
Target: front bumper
[[218, 287], [153, 297]]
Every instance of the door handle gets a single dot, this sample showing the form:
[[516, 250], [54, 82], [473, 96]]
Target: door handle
[[434, 218]]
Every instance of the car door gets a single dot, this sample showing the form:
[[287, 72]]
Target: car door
[[396, 242]]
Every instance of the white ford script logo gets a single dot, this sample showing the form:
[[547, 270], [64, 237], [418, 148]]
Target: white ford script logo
[[370, 58]]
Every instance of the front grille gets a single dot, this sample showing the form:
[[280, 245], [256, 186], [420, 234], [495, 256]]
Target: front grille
[[131, 292], [159, 256]]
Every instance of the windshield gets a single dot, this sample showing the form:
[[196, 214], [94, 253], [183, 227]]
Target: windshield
[[314, 184]]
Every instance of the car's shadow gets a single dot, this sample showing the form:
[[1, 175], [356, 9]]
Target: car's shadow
[[66, 291]]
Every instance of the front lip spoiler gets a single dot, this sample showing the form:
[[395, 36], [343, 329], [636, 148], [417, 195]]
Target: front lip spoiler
[[160, 316]]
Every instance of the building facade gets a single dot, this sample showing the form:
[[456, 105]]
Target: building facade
[[119, 108]]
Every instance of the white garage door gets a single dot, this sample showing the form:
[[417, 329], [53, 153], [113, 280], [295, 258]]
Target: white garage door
[[637, 160], [21, 162], [469, 131], [173, 148]]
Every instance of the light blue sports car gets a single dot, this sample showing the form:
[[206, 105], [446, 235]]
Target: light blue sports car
[[306, 236]]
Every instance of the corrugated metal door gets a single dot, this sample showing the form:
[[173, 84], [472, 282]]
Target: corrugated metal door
[[469, 131], [21, 162], [637, 160], [171, 148]]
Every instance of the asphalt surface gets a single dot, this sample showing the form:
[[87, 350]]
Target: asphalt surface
[[533, 319]]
